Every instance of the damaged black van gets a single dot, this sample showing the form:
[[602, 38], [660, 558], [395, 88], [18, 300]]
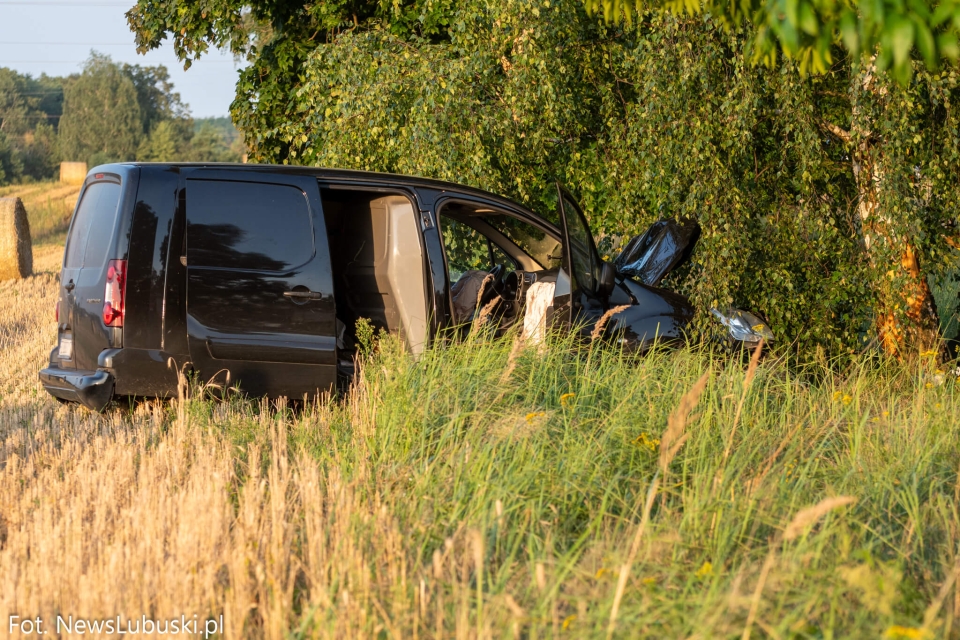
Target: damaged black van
[[256, 275]]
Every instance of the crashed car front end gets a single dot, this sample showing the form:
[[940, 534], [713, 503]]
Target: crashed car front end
[[659, 316]]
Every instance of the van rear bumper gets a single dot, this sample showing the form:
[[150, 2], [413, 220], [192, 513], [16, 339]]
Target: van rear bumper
[[93, 389]]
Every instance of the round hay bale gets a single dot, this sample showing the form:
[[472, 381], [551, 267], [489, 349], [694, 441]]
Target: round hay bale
[[73, 172], [16, 250]]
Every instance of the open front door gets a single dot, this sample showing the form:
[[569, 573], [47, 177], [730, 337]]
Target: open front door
[[579, 277], [260, 303]]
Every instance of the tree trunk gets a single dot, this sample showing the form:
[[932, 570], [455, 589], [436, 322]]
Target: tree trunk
[[907, 318]]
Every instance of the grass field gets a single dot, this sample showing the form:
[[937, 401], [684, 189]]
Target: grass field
[[491, 490]]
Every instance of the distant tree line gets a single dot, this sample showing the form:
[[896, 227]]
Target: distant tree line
[[109, 112]]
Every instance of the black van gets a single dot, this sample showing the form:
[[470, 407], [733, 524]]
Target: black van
[[255, 275]]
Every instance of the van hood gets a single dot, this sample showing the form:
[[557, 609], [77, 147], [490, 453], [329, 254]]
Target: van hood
[[663, 247]]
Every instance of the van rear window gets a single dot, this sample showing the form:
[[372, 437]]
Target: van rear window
[[93, 226]]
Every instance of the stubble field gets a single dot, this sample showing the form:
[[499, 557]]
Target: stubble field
[[488, 490]]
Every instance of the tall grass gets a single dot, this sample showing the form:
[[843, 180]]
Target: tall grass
[[488, 489]]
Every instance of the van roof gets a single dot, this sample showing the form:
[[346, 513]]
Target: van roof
[[348, 175]]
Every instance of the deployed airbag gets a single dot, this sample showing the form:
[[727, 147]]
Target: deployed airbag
[[539, 299]]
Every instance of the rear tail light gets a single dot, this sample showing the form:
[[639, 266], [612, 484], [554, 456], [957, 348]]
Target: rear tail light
[[56, 312], [113, 294]]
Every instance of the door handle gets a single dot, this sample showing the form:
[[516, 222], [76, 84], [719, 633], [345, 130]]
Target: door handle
[[303, 295], [69, 286]]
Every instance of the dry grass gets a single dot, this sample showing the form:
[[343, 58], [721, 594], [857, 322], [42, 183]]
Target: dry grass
[[412, 508]]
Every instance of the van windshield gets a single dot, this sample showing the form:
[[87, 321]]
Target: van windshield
[[93, 226]]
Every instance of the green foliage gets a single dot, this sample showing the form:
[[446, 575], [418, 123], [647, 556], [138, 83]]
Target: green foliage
[[10, 165], [156, 97], [667, 117], [102, 119], [669, 120], [223, 127], [124, 112], [41, 152], [177, 140], [216, 140], [30, 109], [808, 30], [168, 141], [366, 340]]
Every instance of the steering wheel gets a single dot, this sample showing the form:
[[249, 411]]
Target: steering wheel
[[495, 288]]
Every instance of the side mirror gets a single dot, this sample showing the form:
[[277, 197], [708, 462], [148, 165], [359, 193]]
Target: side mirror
[[607, 280]]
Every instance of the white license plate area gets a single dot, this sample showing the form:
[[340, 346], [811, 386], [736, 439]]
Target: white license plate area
[[66, 346]]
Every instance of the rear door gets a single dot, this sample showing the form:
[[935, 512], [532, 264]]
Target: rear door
[[575, 299], [260, 306], [91, 244]]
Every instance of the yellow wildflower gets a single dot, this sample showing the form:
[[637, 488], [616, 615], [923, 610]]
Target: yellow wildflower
[[569, 621], [646, 441], [705, 571], [847, 399], [837, 395], [565, 398], [600, 573], [896, 632], [531, 417]]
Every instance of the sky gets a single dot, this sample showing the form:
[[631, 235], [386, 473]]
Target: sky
[[56, 36]]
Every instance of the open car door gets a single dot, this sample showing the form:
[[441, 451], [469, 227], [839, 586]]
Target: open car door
[[576, 296]]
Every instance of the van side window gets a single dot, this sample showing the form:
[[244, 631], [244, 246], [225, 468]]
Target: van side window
[[93, 226], [247, 225]]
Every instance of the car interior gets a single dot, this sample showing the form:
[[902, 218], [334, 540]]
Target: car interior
[[498, 265], [501, 268], [378, 263]]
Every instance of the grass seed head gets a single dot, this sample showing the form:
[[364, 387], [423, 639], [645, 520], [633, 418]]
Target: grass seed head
[[602, 322], [811, 515], [674, 436]]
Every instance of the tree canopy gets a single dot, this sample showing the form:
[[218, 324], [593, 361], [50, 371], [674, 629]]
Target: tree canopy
[[808, 30], [102, 122], [827, 200]]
